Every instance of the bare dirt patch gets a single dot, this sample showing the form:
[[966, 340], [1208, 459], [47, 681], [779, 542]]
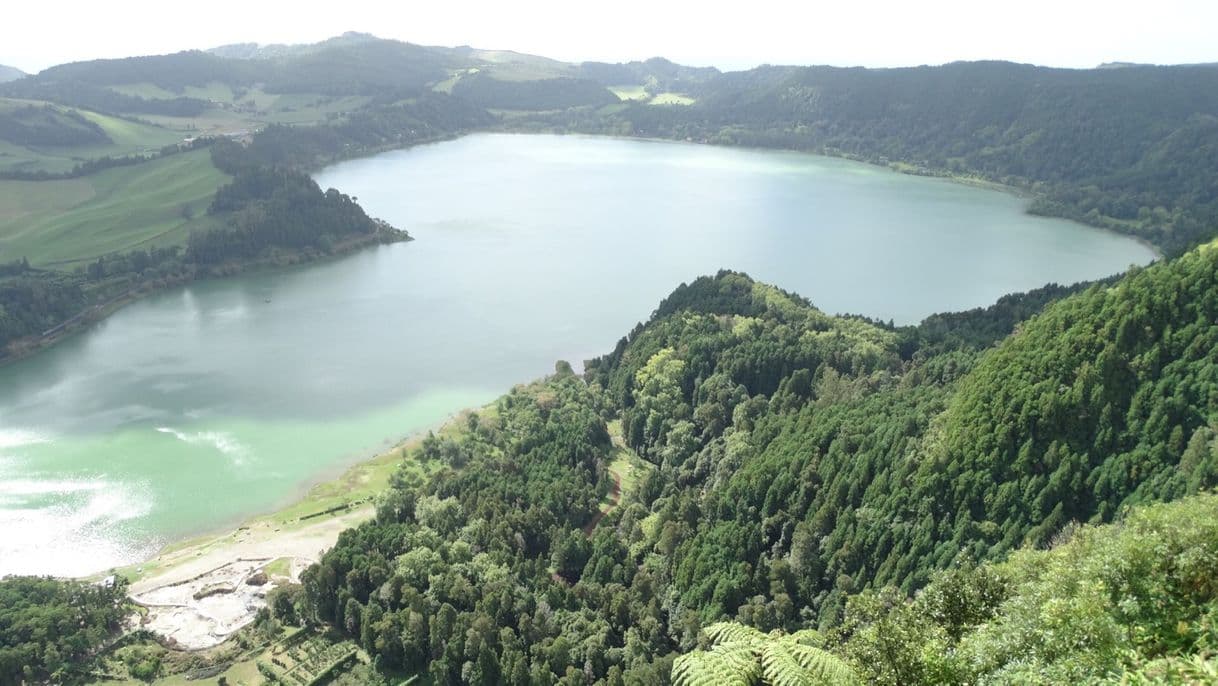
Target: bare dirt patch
[[205, 593]]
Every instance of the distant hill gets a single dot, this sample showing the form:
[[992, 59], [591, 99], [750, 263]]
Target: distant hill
[[1126, 65], [248, 78], [336, 68], [258, 51], [347, 65], [184, 84], [1130, 149], [10, 74], [658, 72]]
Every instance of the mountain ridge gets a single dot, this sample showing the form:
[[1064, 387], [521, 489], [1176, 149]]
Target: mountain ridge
[[8, 73]]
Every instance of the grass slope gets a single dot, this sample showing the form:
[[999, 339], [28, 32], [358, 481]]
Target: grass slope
[[64, 223], [127, 137]]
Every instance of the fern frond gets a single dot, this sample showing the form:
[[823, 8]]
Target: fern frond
[[780, 668], [729, 664], [808, 637], [823, 666], [731, 632], [743, 656]]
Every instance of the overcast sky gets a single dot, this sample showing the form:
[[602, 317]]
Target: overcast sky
[[35, 34]]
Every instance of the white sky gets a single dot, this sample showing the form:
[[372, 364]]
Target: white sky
[[35, 34]]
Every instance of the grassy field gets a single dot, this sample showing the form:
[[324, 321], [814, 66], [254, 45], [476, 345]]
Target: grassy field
[[630, 92], [63, 223], [214, 121], [219, 92], [309, 109], [629, 467], [133, 134], [128, 138], [639, 94], [147, 91], [258, 109], [507, 65], [672, 99], [446, 86]]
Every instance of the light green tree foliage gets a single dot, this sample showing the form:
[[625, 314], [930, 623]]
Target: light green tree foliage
[[660, 399], [740, 655], [1172, 671], [1132, 602]]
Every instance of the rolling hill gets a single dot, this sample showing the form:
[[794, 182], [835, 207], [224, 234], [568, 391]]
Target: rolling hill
[[10, 73]]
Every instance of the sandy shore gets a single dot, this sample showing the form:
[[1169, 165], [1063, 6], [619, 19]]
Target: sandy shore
[[199, 592], [257, 541], [197, 596]]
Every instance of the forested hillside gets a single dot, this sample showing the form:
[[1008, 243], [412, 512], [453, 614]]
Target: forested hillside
[[811, 472], [48, 126]]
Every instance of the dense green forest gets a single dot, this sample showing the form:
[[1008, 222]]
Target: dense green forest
[[429, 117], [47, 627], [809, 474], [539, 94]]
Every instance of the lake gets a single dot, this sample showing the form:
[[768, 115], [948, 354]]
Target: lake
[[198, 407]]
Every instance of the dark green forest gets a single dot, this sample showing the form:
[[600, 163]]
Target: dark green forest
[[47, 626], [814, 473], [429, 117], [541, 94]]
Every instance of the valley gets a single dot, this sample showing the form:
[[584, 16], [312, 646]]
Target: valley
[[913, 378]]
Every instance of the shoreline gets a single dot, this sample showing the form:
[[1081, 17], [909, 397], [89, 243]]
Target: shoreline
[[93, 314], [196, 593], [316, 514], [1020, 191]]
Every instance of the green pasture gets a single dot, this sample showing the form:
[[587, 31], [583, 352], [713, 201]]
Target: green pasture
[[128, 137], [67, 222]]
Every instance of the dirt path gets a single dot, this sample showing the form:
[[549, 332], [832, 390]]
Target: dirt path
[[615, 497]]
